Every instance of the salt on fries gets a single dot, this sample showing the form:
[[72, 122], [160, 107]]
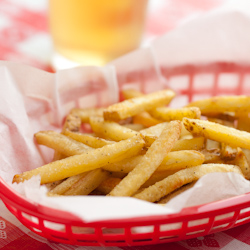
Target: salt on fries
[[142, 148]]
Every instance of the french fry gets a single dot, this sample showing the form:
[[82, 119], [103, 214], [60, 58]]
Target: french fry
[[84, 162], [241, 161], [169, 184], [110, 130], [150, 161], [108, 184], [157, 176], [71, 123], [247, 154], [88, 183], [65, 185], [170, 114], [173, 160], [87, 139], [145, 119], [131, 93], [212, 145], [228, 153], [212, 156], [61, 143], [52, 185], [131, 107], [196, 143], [180, 190], [218, 132], [222, 104], [244, 123], [227, 116], [115, 131], [134, 126], [86, 113], [153, 132]]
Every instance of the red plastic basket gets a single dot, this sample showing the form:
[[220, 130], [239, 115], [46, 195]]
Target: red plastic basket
[[216, 79]]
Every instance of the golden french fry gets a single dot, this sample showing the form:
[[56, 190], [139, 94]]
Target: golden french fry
[[86, 113], [154, 132], [131, 93], [241, 161], [170, 114], [244, 123], [131, 107], [157, 176], [145, 119], [72, 123], [110, 130], [212, 145], [218, 132], [134, 126], [228, 153], [84, 162], [115, 131], [169, 184], [173, 160], [61, 143], [107, 185], [66, 184], [87, 139], [52, 185], [180, 190], [222, 104], [196, 143], [247, 154], [88, 183], [227, 116], [149, 162], [212, 156]]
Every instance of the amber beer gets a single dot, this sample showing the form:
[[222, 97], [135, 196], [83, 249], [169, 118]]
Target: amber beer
[[96, 31]]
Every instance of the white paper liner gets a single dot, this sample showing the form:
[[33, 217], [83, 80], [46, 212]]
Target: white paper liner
[[32, 100]]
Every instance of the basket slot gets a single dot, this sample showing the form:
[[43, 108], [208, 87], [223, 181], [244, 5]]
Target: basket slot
[[228, 81], [225, 221], [55, 231], [148, 233], [245, 89], [83, 230], [200, 227], [194, 223], [28, 220], [166, 235], [49, 225], [206, 80], [244, 216], [242, 221]]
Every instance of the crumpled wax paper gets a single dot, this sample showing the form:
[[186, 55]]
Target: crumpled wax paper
[[32, 100]]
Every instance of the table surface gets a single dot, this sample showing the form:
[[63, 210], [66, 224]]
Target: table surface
[[25, 38]]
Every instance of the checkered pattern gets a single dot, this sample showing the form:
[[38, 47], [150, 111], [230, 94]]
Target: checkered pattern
[[24, 38]]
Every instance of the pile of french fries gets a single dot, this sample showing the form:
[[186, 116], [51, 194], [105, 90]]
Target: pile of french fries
[[142, 148]]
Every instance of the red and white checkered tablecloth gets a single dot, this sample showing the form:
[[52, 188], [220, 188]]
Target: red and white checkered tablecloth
[[24, 37]]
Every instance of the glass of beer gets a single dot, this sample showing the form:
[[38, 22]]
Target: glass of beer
[[94, 32]]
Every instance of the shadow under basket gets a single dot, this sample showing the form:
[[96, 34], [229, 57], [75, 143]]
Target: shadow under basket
[[191, 83]]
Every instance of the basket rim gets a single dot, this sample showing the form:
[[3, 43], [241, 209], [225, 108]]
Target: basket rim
[[15, 199]]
